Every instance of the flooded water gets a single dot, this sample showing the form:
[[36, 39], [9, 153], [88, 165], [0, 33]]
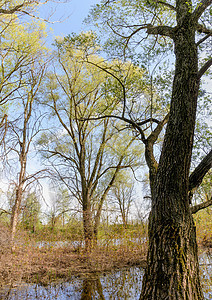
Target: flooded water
[[102, 242], [122, 284]]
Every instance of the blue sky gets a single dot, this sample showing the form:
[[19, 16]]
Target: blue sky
[[73, 13]]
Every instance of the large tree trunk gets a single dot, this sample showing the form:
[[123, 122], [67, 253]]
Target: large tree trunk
[[172, 268]]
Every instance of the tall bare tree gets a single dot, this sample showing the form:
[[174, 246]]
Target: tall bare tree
[[123, 194], [21, 134], [87, 155]]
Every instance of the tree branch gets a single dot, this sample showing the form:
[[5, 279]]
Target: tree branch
[[198, 174], [108, 2], [12, 10], [204, 68], [203, 39], [132, 123], [147, 121], [3, 211], [162, 30], [114, 76], [167, 4], [201, 8], [196, 208], [155, 133], [149, 151], [203, 29], [41, 19], [99, 153], [128, 37]]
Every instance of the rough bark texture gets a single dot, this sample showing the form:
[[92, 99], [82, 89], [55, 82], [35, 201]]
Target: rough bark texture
[[173, 270]]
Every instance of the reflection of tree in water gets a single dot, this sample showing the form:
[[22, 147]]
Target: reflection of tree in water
[[92, 289], [206, 274], [121, 284]]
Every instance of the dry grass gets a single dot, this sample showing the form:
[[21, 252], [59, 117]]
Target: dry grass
[[42, 265], [28, 263]]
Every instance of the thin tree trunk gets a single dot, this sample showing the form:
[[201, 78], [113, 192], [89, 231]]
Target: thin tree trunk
[[24, 148], [97, 218], [99, 209], [96, 228], [88, 228], [124, 217], [15, 214], [18, 199]]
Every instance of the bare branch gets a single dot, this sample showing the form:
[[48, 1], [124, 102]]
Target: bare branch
[[149, 151], [198, 174], [99, 209], [99, 153], [3, 211], [204, 68], [203, 39], [42, 19], [128, 37], [109, 1], [147, 121], [118, 79], [167, 5], [132, 123], [203, 29], [34, 176], [154, 135], [196, 208]]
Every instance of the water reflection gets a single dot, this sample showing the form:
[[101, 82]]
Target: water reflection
[[92, 289], [206, 274], [122, 284]]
